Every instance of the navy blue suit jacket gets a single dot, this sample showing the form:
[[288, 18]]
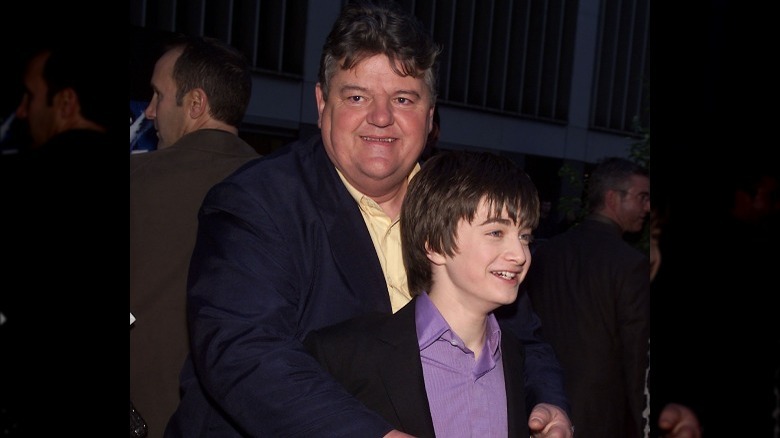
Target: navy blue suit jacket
[[282, 249], [377, 358]]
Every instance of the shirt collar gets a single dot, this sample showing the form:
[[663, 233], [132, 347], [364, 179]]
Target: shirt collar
[[431, 326], [358, 196]]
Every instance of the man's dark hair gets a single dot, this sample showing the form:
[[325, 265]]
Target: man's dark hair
[[611, 173], [220, 70], [367, 28], [78, 66]]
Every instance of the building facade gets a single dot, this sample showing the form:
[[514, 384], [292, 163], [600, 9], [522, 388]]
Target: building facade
[[552, 83]]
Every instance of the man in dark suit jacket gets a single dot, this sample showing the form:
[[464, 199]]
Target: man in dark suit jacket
[[441, 366], [283, 248], [198, 147], [591, 289], [57, 226]]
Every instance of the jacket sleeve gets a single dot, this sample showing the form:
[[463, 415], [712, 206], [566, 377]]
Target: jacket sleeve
[[245, 290], [634, 323], [543, 373]]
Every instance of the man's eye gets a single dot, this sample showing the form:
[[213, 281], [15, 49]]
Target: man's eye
[[527, 238], [496, 233], [355, 100]]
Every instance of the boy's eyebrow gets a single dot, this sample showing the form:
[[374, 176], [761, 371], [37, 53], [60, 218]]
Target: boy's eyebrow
[[501, 220]]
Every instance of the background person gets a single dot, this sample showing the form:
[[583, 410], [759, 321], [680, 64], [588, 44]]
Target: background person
[[675, 420], [201, 90], [737, 239], [58, 277], [591, 290]]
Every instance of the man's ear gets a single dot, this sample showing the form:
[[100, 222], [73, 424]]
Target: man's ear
[[612, 198], [67, 102], [198, 103], [320, 97]]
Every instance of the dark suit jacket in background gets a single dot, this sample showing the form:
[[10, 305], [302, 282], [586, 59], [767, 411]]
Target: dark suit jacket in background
[[377, 358], [282, 249], [591, 290], [62, 224], [167, 187]]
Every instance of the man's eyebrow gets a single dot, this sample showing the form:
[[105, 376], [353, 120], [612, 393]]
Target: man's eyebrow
[[347, 88], [412, 92], [352, 88]]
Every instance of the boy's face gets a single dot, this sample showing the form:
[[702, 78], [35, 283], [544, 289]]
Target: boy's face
[[492, 260]]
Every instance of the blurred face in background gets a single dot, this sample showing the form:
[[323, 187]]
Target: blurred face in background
[[634, 204], [34, 108]]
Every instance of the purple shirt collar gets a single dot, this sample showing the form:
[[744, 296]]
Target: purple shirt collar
[[431, 326]]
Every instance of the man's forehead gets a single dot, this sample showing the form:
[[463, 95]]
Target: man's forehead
[[37, 62], [376, 71], [640, 181]]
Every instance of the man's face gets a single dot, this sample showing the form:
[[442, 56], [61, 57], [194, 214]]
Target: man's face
[[375, 124], [40, 116], [170, 119], [634, 205]]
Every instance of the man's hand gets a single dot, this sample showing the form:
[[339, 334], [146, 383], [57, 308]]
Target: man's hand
[[678, 421], [549, 421]]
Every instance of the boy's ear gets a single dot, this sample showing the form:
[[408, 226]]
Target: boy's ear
[[433, 256]]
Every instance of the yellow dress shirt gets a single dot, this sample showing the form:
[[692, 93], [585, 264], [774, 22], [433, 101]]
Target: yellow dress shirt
[[386, 235]]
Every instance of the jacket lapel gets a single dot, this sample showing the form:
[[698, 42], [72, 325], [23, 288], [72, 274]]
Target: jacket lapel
[[402, 373], [354, 253], [512, 358]]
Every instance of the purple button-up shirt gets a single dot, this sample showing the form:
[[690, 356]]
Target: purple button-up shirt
[[467, 397]]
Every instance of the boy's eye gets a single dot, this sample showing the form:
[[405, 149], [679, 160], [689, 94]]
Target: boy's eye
[[527, 238]]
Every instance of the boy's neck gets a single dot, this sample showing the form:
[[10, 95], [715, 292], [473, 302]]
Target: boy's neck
[[466, 323]]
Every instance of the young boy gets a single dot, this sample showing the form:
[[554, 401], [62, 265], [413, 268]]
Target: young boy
[[442, 365]]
